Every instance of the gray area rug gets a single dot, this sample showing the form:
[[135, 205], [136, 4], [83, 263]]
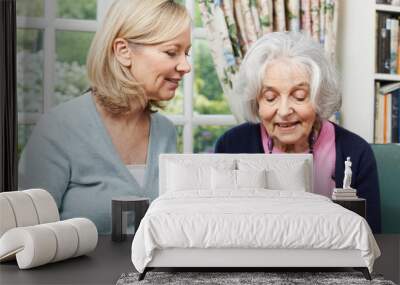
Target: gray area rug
[[229, 278]]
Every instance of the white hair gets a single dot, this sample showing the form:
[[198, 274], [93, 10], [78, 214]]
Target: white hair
[[298, 48]]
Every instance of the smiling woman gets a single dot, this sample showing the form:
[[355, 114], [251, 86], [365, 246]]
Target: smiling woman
[[288, 89], [106, 143], [285, 106], [161, 67]]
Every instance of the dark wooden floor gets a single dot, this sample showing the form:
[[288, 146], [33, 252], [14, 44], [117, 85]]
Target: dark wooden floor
[[110, 260], [389, 262]]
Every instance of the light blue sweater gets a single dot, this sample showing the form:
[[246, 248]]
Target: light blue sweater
[[71, 155]]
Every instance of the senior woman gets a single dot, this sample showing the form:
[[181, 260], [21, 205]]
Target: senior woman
[[106, 143], [288, 89]]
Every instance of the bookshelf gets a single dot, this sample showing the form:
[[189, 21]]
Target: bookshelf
[[357, 53], [386, 106]]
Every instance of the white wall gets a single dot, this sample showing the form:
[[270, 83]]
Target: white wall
[[356, 59]]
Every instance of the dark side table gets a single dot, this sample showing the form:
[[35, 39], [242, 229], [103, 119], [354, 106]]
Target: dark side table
[[357, 205], [120, 208]]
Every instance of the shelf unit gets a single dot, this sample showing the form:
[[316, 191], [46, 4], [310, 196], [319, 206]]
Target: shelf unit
[[384, 77], [387, 8], [356, 45]]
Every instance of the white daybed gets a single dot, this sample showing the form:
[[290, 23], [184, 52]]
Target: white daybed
[[247, 210]]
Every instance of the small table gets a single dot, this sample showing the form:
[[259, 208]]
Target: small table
[[357, 205], [120, 207]]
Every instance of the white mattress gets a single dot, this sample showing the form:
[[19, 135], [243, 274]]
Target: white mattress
[[252, 218]]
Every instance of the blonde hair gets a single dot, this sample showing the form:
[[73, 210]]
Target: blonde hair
[[139, 22]]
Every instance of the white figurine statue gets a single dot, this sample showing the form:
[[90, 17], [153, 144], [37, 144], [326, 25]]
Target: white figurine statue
[[347, 174]]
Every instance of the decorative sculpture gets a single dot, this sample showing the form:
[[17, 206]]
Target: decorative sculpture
[[347, 174]]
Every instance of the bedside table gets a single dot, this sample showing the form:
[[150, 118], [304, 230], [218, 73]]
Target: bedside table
[[120, 206], [357, 205]]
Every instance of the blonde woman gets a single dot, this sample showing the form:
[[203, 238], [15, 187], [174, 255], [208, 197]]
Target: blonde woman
[[106, 142]]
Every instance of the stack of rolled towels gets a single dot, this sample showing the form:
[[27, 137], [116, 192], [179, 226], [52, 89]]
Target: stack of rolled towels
[[31, 231], [344, 194]]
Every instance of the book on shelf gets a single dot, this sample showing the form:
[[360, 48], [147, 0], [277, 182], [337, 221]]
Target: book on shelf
[[344, 198], [395, 118], [344, 195], [394, 44], [383, 42], [388, 88], [387, 121], [344, 191], [387, 42]]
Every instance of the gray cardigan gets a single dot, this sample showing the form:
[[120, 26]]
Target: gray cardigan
[[71, 155]]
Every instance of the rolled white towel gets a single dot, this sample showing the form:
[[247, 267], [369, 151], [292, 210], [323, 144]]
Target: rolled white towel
[[40, 244]]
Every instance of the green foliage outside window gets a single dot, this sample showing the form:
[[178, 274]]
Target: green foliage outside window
[[205, 137], [30, 8], [209, 97], [80, 41], [77, 9]]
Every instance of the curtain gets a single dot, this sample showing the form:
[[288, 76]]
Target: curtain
[[233, 25], [8, 99]]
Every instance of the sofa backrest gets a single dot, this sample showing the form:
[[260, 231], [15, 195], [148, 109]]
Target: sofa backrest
[[173, 167], [388, 162]]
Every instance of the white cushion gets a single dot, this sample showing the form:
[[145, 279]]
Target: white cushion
[[66, 237], [226, 179], [282, 174], [223, 179], [190, 177], [7, 220], [87, 233], [34, 244], [294, 180], [45, 205], [23, 208], [26, 208], [40, 244], [193, 175], [251, 178]]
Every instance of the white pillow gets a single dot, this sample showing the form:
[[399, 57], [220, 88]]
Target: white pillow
[[282, 174], [223, 179], [227, 179], [293, 180], [188, 177], [251, 178], [187, 174]]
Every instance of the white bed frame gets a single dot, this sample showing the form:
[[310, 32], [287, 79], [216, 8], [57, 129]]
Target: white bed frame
[[249, 258]]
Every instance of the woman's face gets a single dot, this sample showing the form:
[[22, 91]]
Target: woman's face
[[285, 106], [161, 67]]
